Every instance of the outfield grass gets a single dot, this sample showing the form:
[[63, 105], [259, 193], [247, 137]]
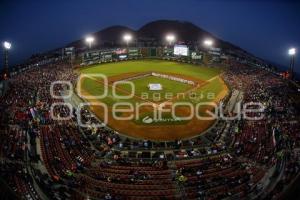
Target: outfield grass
[[111, 69]]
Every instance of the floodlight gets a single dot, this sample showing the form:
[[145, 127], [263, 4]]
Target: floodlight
[[170, 38], [7, 45], [292, 51], [90, 40], [208, 42], [127, 37]]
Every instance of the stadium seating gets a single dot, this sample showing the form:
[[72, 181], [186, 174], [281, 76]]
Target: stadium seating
[[86, 162]]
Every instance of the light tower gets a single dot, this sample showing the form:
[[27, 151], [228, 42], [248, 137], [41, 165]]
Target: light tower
[[127, 38], [170, 38], [208, 42], [6, 48], [292, 53], [90, 41]]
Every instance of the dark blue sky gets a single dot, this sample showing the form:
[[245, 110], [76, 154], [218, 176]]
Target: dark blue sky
[[266, 28]]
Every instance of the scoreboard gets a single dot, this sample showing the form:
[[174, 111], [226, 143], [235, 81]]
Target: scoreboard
[[181, 50]]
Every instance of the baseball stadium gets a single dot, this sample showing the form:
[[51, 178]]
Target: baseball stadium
[[166, 111]]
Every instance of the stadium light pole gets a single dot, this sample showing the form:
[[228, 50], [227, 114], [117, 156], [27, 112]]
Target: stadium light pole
[[90, 40], [127, 38], [208, 42], [6, 47], [170, 38], [292, 53]]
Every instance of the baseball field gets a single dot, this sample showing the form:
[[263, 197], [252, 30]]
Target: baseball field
[[164, 113]]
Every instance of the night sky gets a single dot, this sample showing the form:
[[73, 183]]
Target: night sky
[[266, 28]]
